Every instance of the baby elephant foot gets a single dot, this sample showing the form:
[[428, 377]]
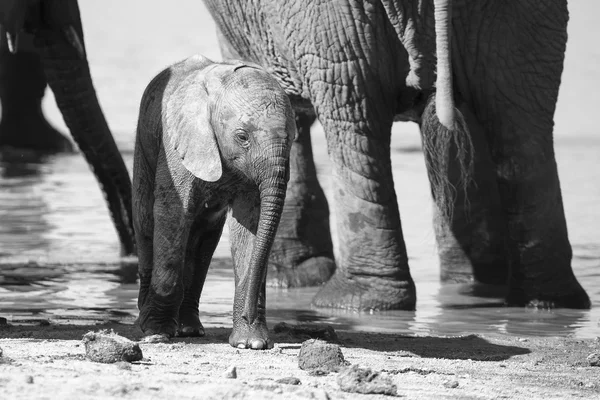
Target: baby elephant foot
[[255, 336], [155, 323], [190, 326], [312, 271]]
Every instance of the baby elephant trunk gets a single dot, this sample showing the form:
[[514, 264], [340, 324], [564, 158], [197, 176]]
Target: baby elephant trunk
[[272, 187]]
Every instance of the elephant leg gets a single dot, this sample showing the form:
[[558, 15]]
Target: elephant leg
[[22, 87], [302, 254], [159, 305], [471, 239], [201, 246], [372, 265], [61, 45], [512, 88], [242, 229]]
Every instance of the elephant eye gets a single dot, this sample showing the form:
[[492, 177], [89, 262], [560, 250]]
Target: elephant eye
[[242, 137]]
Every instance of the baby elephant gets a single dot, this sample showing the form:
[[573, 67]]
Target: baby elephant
[[212, 139]]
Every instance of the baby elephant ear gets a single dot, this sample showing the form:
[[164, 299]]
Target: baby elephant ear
[[188, 128]]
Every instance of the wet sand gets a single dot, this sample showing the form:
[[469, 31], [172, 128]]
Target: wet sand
[[49, 362]]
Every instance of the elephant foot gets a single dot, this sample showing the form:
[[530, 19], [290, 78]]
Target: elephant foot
[[246, 336], [157, 323], [312, 271], [575, 297], [190, 326], [366, 294]]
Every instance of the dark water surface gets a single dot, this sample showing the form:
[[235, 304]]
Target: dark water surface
[[59, 251]]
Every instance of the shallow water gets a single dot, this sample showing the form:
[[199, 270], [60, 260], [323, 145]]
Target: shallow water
[[59, 251]]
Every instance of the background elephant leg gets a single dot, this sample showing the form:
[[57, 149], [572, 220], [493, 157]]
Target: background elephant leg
[[512, 89], [302, 254], [372, 265], [199, 251], [68, 75], [471, 244], [22, 86], [242, 229]]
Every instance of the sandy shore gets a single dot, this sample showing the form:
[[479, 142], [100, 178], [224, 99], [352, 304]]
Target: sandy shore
[[49, 362]]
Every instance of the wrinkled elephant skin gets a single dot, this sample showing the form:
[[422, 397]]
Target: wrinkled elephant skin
[[212, 139], [357, 66]]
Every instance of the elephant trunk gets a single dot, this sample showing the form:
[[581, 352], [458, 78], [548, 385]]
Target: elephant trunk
[[68, 75], [272, 190]]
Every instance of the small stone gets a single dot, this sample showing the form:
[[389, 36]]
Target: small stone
[[29, 379], [108, 347], [451, 384], [362, 380], [231, 372], [318, 354], [523, 340], [3, 321], [123, 365], [0, 351], [594, 359], [289, 380], [156, 339]]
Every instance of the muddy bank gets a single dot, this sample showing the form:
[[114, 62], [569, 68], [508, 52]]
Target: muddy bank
[[49, 362]]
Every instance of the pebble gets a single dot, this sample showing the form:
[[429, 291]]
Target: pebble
[[594, 359], [451, 384], [231, 372], [108, 347], [363, 380], [289, 380], [318, 354], [29, 379], [123, 365]]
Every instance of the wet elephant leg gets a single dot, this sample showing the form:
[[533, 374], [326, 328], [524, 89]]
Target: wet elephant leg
[[22, 87], [302, 254], [512, 89], [471, 244], [372, 265], [199, 251]]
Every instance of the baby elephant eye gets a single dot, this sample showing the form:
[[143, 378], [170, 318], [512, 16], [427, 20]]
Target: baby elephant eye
[[242, 137]]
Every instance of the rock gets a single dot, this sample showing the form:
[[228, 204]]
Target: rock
[[29, 379], [231, 372], [308, 331], [594, 359], [289, 380], [158, 338], [451, 384], [317, 354], [123, 365], [108, 347], [3, 321], [365, 381]]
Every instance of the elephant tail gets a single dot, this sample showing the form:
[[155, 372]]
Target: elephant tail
[[444, 132]]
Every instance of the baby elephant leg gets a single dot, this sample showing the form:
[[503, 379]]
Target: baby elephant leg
[[160, 307], [249, 331], [202, 242]]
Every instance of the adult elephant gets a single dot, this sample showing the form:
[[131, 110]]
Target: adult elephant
[[358, 65], [42, 41]]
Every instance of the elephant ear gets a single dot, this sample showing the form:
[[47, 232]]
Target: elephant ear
[[188, 129]]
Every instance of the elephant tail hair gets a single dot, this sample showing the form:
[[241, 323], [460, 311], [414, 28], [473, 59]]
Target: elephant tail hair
[[449, 156]]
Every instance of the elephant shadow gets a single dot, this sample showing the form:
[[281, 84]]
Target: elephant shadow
[[471, 347]]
